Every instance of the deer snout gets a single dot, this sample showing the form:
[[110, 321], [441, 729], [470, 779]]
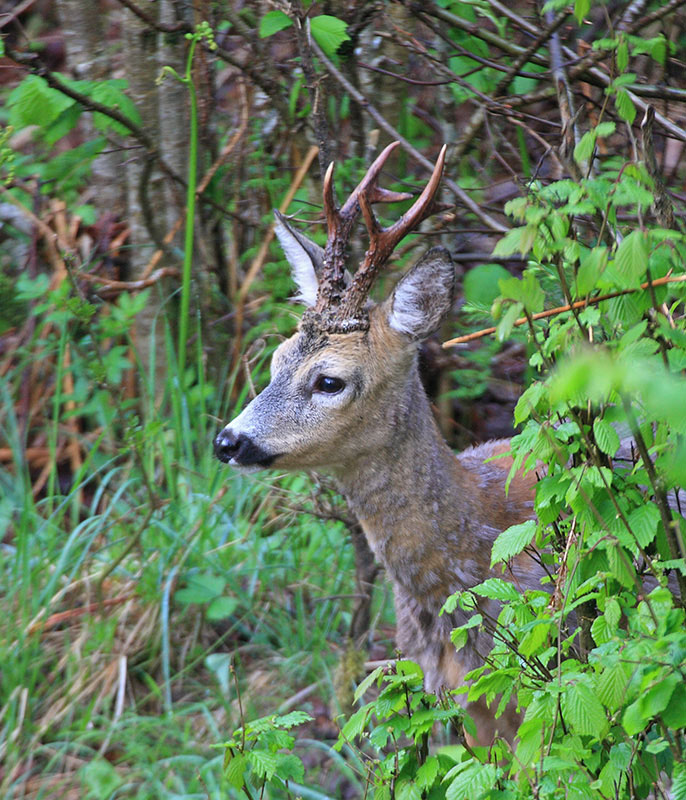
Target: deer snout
[[227, 444], [239, 450]]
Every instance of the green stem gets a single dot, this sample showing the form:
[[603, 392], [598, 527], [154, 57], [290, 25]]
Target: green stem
[[190, 215], [54, 428]]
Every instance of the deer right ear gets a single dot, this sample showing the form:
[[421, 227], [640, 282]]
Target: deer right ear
[[304, 256], [423, 296]]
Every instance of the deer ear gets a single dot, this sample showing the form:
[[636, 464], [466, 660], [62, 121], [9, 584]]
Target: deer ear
[[423, 296], [304, 256]]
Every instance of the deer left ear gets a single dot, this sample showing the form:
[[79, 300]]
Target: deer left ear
[[423, 296], [304, 256]]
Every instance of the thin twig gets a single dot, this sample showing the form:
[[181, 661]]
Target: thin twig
[[553, 312], [359, 98]]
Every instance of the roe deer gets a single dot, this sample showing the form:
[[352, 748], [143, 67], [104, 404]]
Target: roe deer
[[345, 399]]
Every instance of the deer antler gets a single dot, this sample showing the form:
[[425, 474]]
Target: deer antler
[[346, 305]]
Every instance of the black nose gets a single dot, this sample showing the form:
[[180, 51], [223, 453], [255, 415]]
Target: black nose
[[227, 445], [241, 448]]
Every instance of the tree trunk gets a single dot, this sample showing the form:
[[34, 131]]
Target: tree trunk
[[84, 38]]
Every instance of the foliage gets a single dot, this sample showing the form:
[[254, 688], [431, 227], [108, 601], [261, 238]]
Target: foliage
[[147, 592], [596, 658], [253, 757]]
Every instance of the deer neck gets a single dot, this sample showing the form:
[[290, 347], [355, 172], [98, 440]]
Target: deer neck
[[410, 494]]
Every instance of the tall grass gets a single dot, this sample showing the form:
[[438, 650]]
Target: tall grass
[[112, 687]]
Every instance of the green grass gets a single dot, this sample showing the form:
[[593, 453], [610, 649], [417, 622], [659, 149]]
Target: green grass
[[127, 692]]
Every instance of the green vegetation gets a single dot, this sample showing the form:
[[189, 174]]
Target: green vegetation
[[172, 629]]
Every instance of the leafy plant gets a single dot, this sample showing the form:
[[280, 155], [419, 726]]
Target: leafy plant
[[253, 757]]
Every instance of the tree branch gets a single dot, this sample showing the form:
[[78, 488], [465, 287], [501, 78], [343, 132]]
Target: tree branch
[[359, 98], [553, 312]]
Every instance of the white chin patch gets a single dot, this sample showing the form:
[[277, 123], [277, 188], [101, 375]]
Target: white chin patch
[[246, 469]]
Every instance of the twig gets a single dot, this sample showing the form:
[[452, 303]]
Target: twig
[[676, 547], [255, 73], [110, 285], [552, 312], [314, 88], [605, 80], [359, 98], [75, 613], [404, 78], [664, 211], [10, 16]]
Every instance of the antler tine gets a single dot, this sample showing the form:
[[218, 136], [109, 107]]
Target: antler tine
[[419, 210], [369, 188], [382, 241]]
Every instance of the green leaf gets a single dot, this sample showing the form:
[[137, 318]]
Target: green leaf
[[592, 266], [657, 697], [221, 608], [644, 521], [34, 102], [481, 283], [600, 631], [631, 259], [583, 711], [634, 719], [526, 291], [408, 790], [606, 436], [534, 639], [234, 769], [264, 763], [353, 727], [111, 94], [611, 686], [471, 781], [622, 56], [528, 401], [613, 613], [584, 149], [504, 327], [625, 106], [512, 541], [581, 9], [620, 566], [273, 22], [605, 129], [427, 773], [679, 781], [497, 589], [530, 739], [290, 768], [510, 243], [368, 681], [200, 589], [674, 716], [292, 719], [329, 33]]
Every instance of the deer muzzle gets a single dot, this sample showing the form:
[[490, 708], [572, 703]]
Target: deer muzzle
[[239, 450]]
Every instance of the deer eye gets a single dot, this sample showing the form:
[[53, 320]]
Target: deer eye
[[329, 385]]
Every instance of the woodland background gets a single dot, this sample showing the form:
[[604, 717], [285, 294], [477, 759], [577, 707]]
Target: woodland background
[[153, 601]]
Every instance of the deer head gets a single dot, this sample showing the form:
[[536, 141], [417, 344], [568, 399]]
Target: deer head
[[341, 380]]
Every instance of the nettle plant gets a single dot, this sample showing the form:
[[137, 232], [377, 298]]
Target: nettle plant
[[596, 661]]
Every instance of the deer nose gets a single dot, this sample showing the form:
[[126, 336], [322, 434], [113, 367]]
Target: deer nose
[[228, 445]]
